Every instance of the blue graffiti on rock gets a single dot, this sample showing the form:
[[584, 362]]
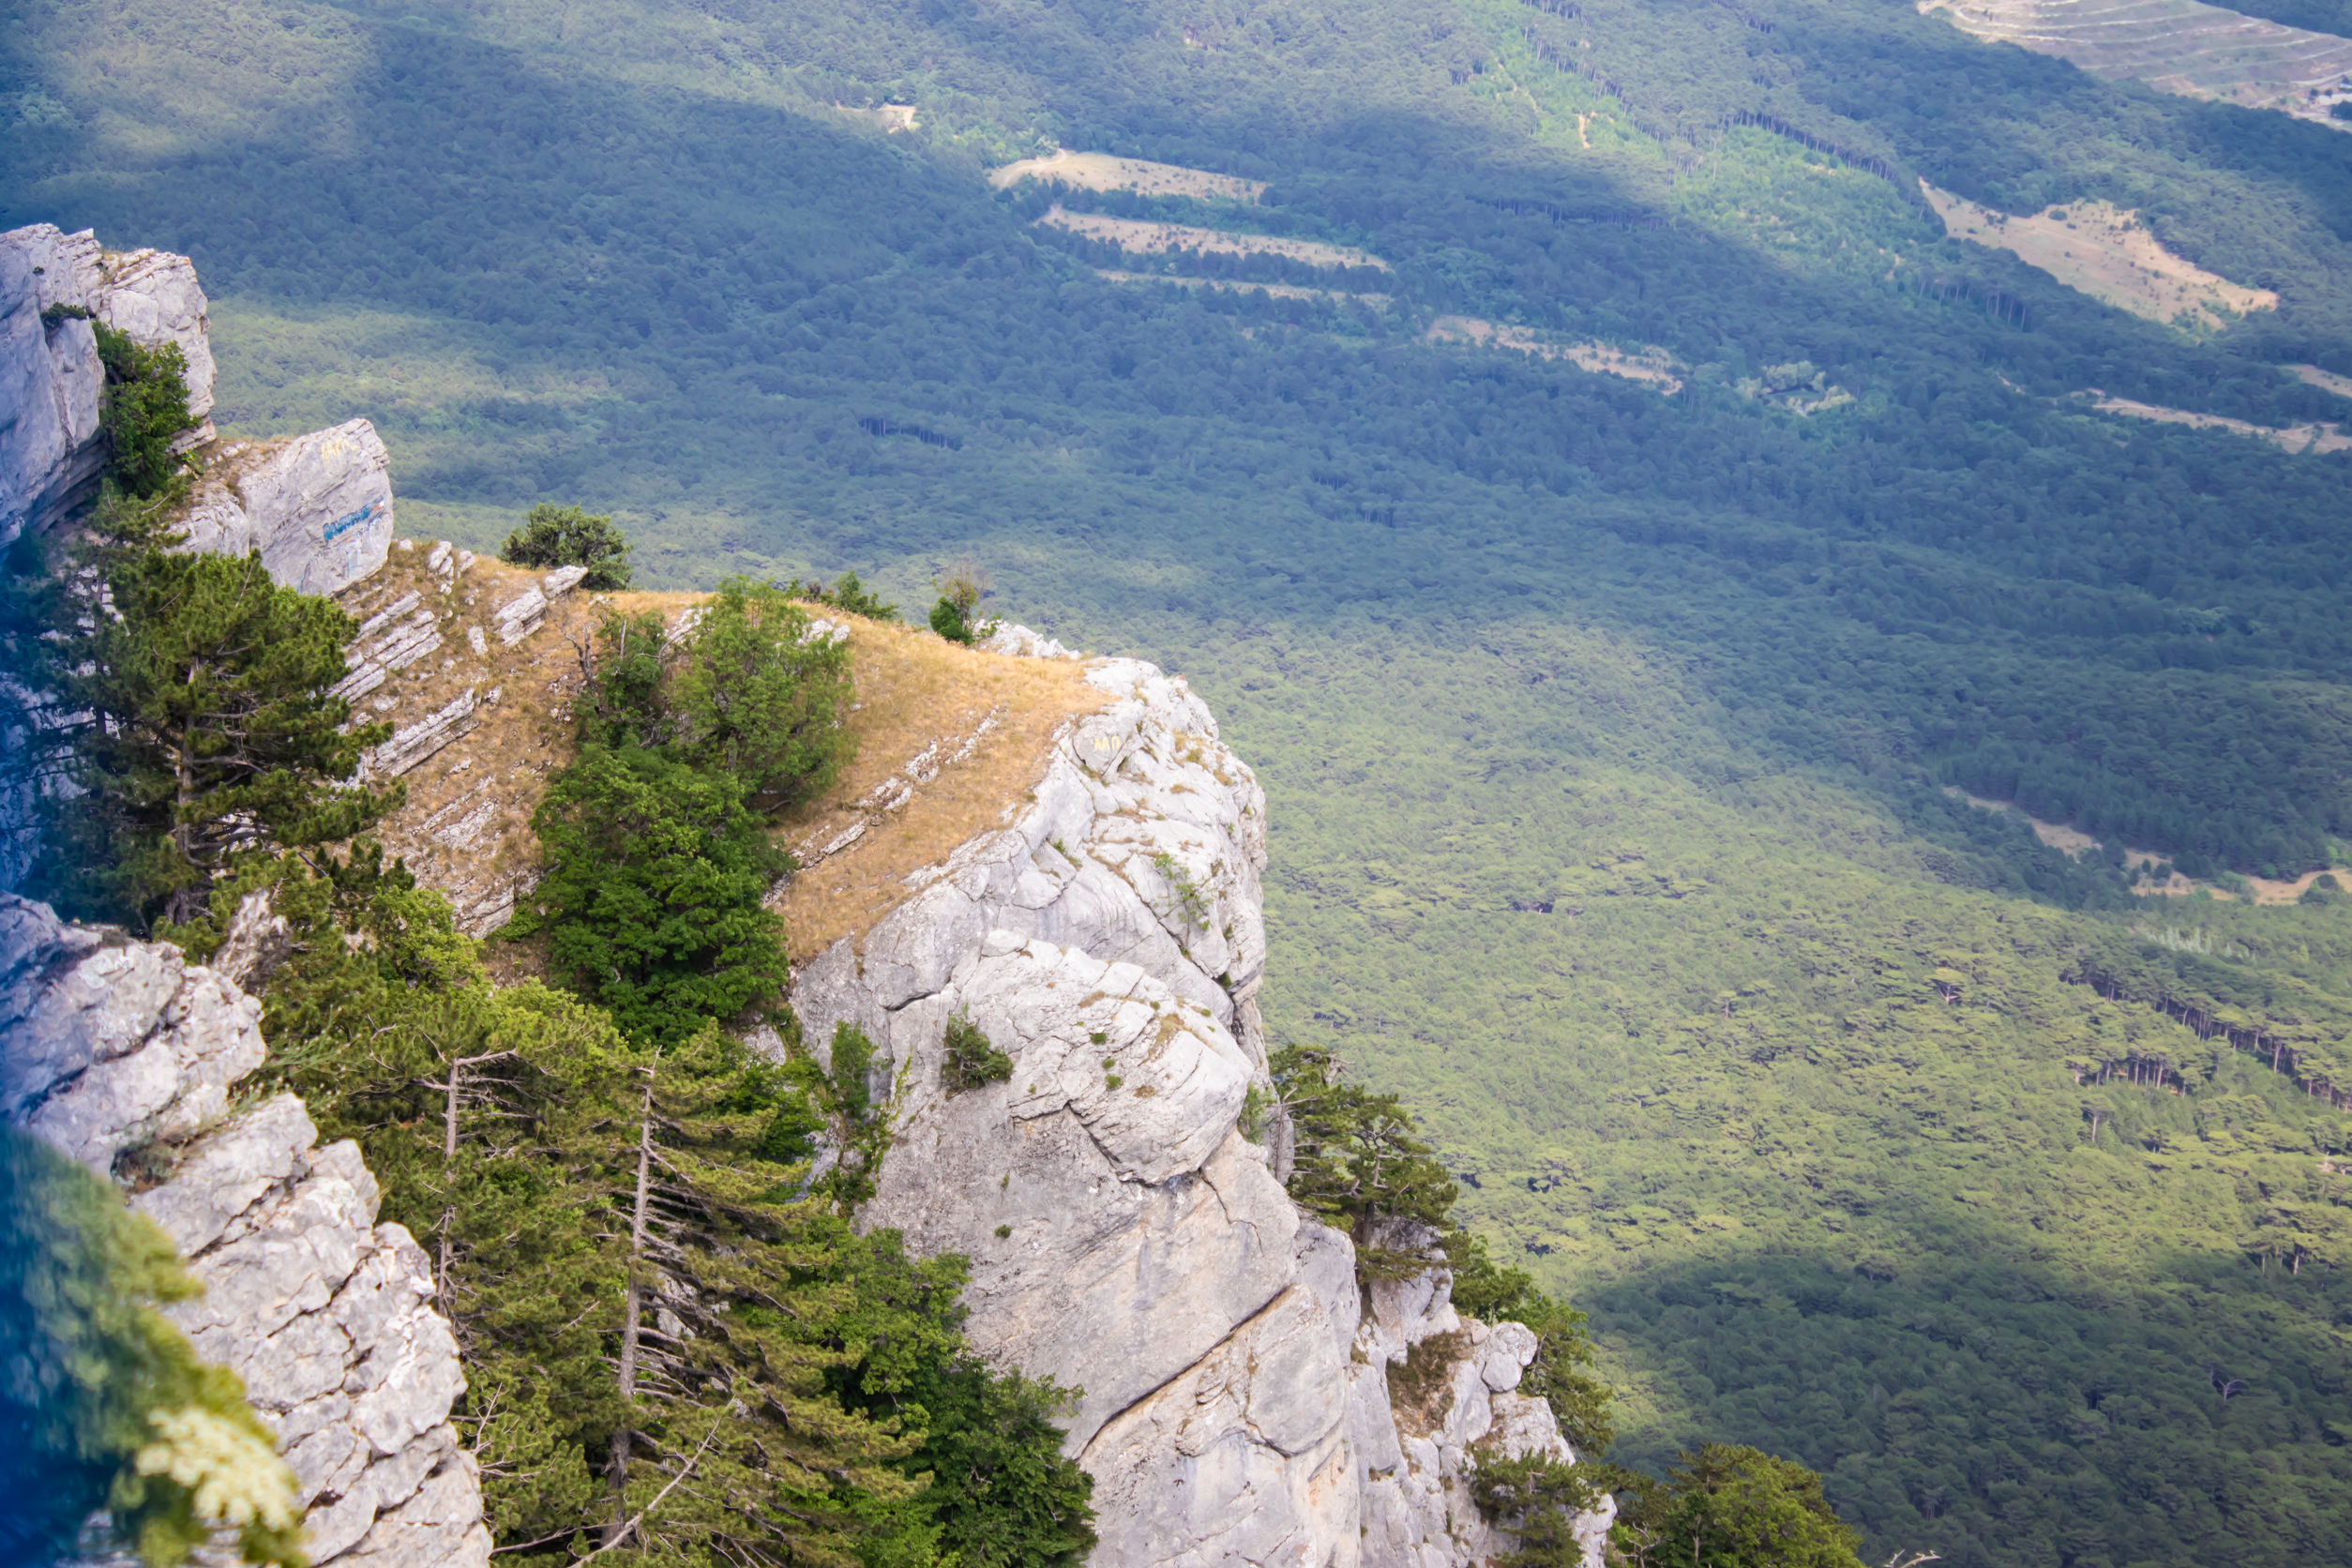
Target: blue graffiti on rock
[[345, 524]]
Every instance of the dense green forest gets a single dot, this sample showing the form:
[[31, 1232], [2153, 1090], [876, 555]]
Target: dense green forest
[[1605, 732]]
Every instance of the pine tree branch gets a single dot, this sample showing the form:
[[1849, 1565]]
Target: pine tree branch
[[628, 1529]]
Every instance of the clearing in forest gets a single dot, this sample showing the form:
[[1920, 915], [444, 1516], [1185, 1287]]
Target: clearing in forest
[[2103, 250], [2074, 841], [2293, 438], [2175, 46], [1102, 171], [1238, 285], [1137, 234], [1650, 365], [2326, 381]]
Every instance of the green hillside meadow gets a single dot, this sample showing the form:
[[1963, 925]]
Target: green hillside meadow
[[1613, 738]]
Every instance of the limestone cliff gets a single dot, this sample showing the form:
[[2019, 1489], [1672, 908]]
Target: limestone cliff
[[318, 506], [120, 1051], [1127, 1232]]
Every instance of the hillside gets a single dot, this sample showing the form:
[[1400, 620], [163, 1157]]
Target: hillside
[[1500, 627]]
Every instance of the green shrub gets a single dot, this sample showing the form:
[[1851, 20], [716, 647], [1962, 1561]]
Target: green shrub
[[971, 1060], [1730, 1507], [847, 595], [553, 535], [755, 694], [947, 619], [960, 594], [143, 411], [1537, 1499]]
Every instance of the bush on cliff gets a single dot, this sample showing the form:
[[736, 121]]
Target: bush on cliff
[[556, 535], [758, 695], [747, 689], [143, 410]]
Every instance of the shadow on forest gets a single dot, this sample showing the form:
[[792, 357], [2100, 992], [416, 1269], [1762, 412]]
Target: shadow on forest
[[1961, 1398]]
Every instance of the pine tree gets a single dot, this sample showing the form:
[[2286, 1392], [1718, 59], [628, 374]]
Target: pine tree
[[743, 1312], [190, 724], [1358, 1158], [653, 901], [556, 535]]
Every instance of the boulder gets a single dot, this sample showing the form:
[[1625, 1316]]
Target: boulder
[[318, 506]]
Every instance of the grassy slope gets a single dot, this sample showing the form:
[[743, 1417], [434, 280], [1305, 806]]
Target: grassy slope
[[624, 255]]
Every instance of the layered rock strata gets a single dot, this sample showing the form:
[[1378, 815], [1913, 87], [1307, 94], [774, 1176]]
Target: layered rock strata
[[121, 1052], [1116, 1194]]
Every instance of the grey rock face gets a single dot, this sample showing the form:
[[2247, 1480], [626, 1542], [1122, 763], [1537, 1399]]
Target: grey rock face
[[318, 506], [107, 1044], [1127, 1234], [49, 400], [50, 374]]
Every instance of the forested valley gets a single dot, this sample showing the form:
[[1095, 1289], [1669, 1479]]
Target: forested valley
[[1619, 737]]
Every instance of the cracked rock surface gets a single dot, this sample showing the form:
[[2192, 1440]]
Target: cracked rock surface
[[108, 1045], [1128, 1235]]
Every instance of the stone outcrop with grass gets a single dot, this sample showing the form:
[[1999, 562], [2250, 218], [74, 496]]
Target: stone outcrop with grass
[[1115, 1185]]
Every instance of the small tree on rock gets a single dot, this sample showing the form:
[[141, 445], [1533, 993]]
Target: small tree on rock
[[556, 535]]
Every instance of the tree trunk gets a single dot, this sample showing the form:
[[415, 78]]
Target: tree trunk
[[632, 1316], [448, 1160]]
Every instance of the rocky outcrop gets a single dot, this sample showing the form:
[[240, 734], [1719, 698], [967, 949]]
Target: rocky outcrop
[[122, 1053], [52, 284], [318, 506], [1116, 1194]]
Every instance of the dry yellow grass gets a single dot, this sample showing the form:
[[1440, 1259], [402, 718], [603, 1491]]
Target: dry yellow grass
[[2103, 250], [1137, 234], [465, 828], [2326, 381], [1102, 171], [1651, 365], [922, 705]]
